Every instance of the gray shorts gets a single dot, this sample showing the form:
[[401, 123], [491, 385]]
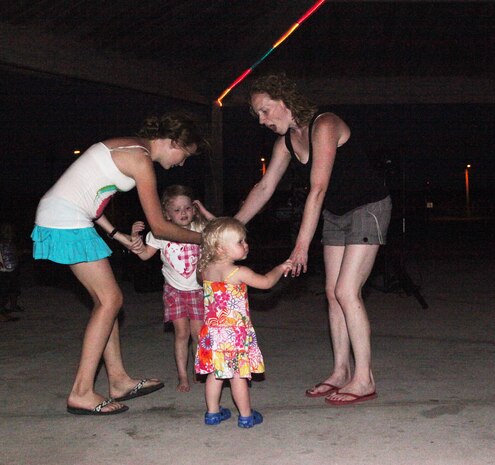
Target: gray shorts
[[363, 225]]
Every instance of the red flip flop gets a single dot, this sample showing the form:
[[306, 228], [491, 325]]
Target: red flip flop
[[355, 399], [331, 389]]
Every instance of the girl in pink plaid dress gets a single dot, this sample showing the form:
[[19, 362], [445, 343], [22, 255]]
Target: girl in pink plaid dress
[[227, 346], [182, 295]]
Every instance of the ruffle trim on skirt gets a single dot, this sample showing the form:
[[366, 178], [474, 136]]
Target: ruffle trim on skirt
[[227, 351], [68, 246]]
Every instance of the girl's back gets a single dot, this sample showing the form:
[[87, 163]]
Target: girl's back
[[220, 272]]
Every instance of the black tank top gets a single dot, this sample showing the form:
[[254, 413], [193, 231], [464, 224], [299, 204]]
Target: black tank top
[[353, 181]]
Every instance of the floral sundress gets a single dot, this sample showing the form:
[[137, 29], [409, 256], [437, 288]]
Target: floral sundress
[[227, 343]]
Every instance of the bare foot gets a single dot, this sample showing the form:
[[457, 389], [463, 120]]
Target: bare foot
[[354, 389], [327, 387], [183, 385], [122, 387], [321, 390], [90, 401]]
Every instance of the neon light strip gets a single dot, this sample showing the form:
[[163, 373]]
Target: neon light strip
[[303, 18], [287, 34]]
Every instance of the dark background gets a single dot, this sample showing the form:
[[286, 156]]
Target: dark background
[[420, 150]]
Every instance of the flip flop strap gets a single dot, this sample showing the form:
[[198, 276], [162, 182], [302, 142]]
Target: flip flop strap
[[103, 404], [138, 386], [350, 394]]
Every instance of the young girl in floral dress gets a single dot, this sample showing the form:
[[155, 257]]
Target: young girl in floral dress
[[227, 346]]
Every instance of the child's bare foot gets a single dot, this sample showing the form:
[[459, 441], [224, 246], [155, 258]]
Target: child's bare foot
[[183, 385]]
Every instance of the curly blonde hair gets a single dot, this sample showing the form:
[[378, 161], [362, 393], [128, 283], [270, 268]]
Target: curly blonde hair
[[213, 236], [280, 87]]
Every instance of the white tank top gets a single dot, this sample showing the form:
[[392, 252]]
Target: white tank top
[[84, 190]]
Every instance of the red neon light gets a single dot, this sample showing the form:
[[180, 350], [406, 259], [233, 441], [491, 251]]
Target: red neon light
[[279, 41], [241, 77], [310, 11]]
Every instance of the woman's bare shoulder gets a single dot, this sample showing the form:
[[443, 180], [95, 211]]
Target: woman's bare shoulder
[[328, 118], [329, 124], [117, 142], [131, 157]]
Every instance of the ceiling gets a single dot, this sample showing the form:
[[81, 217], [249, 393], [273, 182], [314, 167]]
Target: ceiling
[[194, 49]]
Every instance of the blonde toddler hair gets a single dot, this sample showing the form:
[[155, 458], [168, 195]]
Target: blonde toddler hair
[[213, 236], [173, 191]]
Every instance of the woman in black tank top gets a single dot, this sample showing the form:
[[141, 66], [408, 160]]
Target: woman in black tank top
[[356, 208]]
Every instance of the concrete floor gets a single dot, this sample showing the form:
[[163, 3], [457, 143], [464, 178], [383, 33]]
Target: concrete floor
[[434, 370]]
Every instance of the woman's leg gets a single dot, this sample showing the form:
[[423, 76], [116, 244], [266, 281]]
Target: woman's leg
[[356, 267], [213, 392], [240, 393], [101, 338], [97, 277], [341, 373], [182, 332]]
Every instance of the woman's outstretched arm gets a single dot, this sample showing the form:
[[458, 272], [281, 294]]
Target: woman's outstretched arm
[[262, 192]]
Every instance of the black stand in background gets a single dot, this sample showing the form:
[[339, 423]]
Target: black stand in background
[[395, 276]]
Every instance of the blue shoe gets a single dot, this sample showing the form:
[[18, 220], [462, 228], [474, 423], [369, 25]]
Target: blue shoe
[[248, 422], [217, 418]]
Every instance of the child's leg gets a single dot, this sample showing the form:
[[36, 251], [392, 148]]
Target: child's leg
[[181, 346], [195, 326], [240, 393], [213, 392]]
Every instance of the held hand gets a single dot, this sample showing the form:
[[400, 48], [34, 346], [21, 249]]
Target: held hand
[[299, 258], [124, 239], [137, 245], [287, 267], [137, 227]]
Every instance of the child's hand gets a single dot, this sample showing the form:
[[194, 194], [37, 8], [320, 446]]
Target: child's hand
[[202, 210], [137, 245], [137, 227], [287, 267], [199, 205]]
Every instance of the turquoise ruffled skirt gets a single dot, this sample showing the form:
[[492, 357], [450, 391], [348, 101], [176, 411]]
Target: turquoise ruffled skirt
[[68, 246]]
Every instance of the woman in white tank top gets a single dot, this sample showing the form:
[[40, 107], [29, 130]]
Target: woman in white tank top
[[65, 233]]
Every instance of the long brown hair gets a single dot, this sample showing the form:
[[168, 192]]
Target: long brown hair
[[179, 127]]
